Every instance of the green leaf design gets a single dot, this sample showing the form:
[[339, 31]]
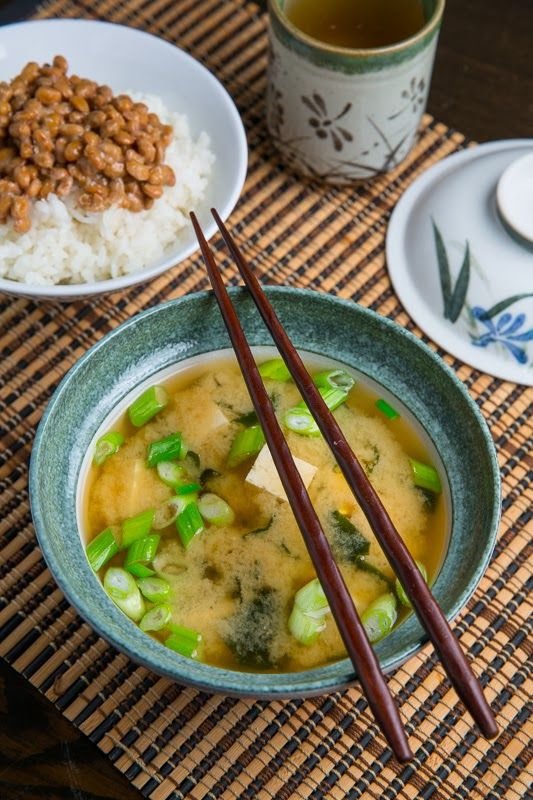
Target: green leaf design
[[444, 269], [458, 297], [502, 305]]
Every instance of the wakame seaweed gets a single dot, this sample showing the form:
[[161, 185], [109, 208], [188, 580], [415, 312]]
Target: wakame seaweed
[[347, 541], [264, 527], [366, 566], [249, 418], [254, 627]]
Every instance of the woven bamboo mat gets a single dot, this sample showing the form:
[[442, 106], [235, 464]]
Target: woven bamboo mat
[[174, 742]]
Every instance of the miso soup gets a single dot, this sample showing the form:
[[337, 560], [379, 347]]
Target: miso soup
[[189, 529]]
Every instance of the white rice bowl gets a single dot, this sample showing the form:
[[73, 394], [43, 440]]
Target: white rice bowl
[[68, 246]]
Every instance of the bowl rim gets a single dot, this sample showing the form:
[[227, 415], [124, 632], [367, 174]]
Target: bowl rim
[[216, 680], [73, 291]]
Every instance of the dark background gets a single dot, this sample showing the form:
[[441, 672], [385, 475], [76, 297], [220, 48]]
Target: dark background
[[482, 86]]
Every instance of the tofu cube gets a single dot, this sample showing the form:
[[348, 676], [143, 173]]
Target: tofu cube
[[212, 418], [264, 474]]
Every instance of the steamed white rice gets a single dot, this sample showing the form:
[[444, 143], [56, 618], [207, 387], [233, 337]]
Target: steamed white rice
[[67, 245]]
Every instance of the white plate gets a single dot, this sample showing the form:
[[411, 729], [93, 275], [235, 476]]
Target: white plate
[[129, 60], [491, 330]]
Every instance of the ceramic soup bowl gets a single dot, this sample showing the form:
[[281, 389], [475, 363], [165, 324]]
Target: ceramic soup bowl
[[152, 345]]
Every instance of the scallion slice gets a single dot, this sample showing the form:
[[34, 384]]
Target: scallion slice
[[157, 618], [379, 617], [400, 591], [300, 420], [307, 616], [103, 547], [247, 443], [425, 476], [333, 397], [137, 527], [107, 445], [184, 641], [334, 379], [140, 570], [275, 369], [189, 523], [171, 473], [167, 449], [304, 628], [167, 513], [147, 405], [156, 590], [188, 488], [142, 552], [215, 510], [122, 589], [386, 409]]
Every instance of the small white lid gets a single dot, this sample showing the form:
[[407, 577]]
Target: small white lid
[[514, 196]]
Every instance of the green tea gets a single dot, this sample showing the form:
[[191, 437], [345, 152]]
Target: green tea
[[357, 23]]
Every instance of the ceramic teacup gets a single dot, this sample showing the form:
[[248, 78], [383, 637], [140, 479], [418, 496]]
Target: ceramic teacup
[[341, 115]]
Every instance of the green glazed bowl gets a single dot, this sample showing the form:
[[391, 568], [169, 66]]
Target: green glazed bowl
[[317, 323]]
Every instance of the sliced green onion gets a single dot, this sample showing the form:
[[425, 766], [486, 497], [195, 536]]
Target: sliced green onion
[[189, 523], [304, 628], [157, 618], [311, 599], [300, 420], [215, 510], [142, 552], [147, 405], [275, 369], [166, 449], [333, 397], [184, 641], [103, 547], [107, 445], [425, 476], [170, 473], [334, 379], [248, 442], [175, 476], [122, 589], [188, 488], [400, 591], [307, 616], [379, 617], [137, 527], [386, 409], [167, 513], [156, 590], [140, 570]]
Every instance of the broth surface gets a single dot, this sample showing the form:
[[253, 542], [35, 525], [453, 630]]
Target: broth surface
[[236, 583]]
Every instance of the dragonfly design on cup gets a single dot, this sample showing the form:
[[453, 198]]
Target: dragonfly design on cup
[[324, 124], [415, 97]]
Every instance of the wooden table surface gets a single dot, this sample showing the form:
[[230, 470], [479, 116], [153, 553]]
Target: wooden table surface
[[482, 86]]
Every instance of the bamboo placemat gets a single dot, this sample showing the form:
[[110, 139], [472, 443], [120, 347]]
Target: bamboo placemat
[[174, 742]]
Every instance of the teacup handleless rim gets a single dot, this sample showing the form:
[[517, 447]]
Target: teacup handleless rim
[[367, 52]]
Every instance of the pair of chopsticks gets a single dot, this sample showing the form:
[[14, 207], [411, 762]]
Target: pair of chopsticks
[[350, 627]]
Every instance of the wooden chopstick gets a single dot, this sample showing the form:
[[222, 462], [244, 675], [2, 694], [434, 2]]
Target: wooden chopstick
[[340, 601], [424, 604]]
